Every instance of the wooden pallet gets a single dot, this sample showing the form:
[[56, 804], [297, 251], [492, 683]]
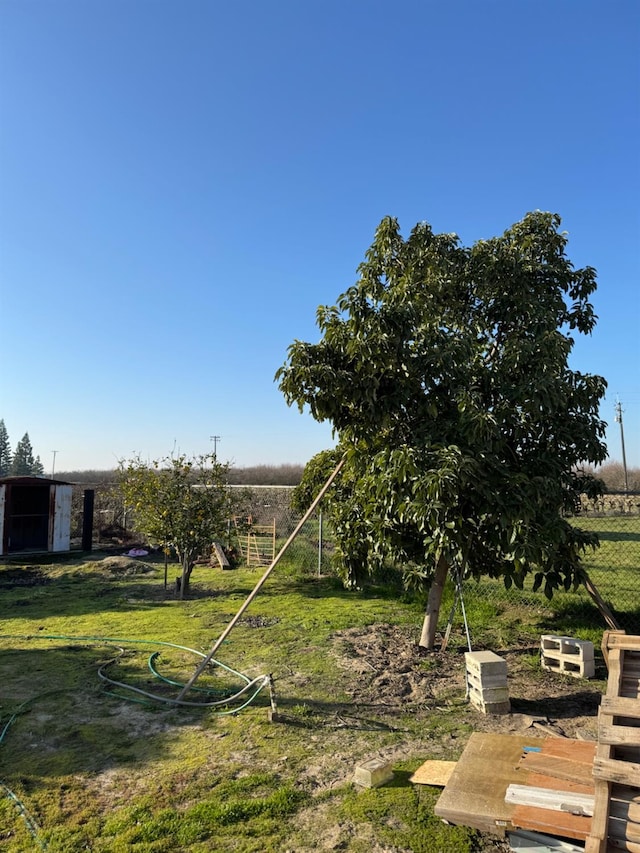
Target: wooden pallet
[[616, 767]]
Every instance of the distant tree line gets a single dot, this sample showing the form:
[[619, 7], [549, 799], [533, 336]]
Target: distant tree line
[[257, 475], [612, 475], [21, 461]]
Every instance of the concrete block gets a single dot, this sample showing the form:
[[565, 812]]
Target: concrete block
[[485, 664], [569, 646], [490, 695], [568, 665], [373, 773], [487, 682], [567, 655], [490, 707]]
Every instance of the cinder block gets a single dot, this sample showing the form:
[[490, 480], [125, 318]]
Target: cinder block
[[576, 668], [490, 707], [373, 773], [490, 695], [485, 664], [567, 655], [583, 649], [487, 682]]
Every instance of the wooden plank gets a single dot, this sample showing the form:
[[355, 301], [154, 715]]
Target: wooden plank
[[611, 770], [433, 772], [621, 828], [619, 735], [617, 706], [220, 556], [559, 768], [576, 750], [474, 795], [597, 841], [606, 643], [617, 640], [555, 823], [550, 798], [539, 780]]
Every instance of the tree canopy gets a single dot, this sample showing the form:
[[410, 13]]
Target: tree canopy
[[20, 463], [179, 502], [24, 463], [6, 456], [445, 373]]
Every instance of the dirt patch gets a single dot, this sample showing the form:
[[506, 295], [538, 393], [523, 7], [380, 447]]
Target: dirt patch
[[123, 566], [391, 670]]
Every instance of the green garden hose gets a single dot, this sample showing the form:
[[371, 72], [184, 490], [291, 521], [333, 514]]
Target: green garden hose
[[256, 685]]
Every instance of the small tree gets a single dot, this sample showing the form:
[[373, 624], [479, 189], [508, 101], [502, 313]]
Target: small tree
[[444, 371], [179, 502], [6, 457], [23, 464]]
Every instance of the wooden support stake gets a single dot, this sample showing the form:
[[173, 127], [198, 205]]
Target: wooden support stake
[[257, 587], [600, 603]]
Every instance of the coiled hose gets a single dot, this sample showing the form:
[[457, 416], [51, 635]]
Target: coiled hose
[[220, 706]]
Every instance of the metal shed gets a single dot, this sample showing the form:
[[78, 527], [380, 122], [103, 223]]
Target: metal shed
[[35, 515]]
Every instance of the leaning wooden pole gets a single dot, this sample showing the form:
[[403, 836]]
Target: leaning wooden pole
[[600, 603], [257, 587]]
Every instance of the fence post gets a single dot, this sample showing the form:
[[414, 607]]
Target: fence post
[[87, 519]]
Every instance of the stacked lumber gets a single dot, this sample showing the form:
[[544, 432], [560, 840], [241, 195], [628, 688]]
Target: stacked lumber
[[557, 797], [616, 768], [564, 788]]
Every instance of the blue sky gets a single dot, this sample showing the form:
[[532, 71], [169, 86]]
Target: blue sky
[[183, 182]]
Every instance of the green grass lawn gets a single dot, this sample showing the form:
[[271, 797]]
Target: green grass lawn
[[84, 768]]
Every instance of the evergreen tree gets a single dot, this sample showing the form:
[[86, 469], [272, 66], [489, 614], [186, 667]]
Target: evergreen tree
[[23, 460], [38, 468], [6, 456]]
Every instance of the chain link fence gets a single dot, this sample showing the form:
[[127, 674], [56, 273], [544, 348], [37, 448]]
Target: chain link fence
[[614, 568], [265, 521]]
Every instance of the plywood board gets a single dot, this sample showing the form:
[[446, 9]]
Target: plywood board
[[433, 772], [582, 751], [474, 795]]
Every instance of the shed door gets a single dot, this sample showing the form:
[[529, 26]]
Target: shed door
[[61, 530]]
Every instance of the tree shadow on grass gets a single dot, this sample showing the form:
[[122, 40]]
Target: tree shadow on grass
[[618, 536]]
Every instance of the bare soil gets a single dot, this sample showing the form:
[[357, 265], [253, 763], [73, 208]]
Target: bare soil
[[391, 670]]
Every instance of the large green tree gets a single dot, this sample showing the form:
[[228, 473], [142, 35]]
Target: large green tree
[[6, 456], [179, 502], [444, 371], [24, 462]]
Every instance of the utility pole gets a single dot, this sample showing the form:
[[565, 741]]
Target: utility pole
[[215, 439], [624, 456], [53, 467]]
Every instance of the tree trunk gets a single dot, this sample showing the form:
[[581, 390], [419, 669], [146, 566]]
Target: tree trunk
[[430, 624], [186, 574]]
